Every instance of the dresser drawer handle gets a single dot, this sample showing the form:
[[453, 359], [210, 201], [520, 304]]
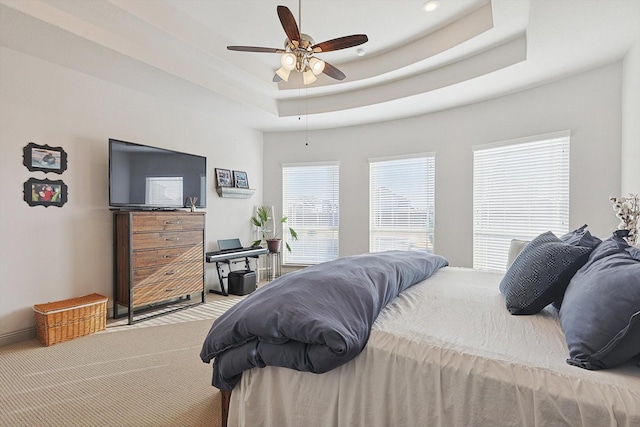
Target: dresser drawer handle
[[170, 290], [171, 273], [172, 222], [171, 239], [170, 256]]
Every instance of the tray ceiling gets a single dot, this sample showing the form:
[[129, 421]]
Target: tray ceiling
[[415, 62]]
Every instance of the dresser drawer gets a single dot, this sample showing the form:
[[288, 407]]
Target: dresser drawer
[[153, 293], [169, 273], [167, 239], [167, 222], [159, 257]]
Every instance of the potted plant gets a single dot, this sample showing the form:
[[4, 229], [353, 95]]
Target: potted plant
[[261, 220]]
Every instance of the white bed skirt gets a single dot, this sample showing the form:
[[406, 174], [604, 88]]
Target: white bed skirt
[[446, 352]]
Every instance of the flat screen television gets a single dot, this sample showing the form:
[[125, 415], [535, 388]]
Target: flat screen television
[[145, 177]]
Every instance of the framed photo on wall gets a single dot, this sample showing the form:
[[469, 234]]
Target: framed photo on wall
[[223, 178], [44, 158], [240, 178], [44, 192]]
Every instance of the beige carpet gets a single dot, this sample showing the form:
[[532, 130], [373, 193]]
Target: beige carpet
[[214, 307], [146, 374]]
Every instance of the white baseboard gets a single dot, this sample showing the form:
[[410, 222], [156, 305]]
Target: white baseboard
[[17, 336]]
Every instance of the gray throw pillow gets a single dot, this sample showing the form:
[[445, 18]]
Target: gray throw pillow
[[600, 315], [541, 273]]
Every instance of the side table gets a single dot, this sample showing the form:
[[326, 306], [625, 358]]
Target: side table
[[274, 267]]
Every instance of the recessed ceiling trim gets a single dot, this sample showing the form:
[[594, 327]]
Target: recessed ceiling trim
[[475, 22], [498, 57], [40, 29]]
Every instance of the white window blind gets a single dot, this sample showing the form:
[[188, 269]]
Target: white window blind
[[520, 190], [401, 203], [310, 201]]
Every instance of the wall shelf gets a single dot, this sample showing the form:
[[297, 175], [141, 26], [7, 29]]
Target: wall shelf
[[235, 193]]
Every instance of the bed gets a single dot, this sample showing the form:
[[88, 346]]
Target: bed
[[446, 352]]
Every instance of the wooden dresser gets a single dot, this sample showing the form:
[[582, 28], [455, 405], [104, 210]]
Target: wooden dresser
[[158, 258]]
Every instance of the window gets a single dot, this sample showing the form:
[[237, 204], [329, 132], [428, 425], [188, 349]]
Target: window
[[310, 201], [401, 203], [520, 190], [164, 191]]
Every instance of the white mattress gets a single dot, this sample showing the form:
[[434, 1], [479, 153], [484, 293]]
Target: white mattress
[[446, 352]]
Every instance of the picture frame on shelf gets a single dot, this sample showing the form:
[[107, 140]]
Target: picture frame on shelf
[[240, 179], [44, 158], [224, 178], [45, 192]]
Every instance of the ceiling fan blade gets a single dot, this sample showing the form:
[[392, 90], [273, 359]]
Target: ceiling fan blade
[[256, 49], [333, 72], [340, 43], [289, 24]]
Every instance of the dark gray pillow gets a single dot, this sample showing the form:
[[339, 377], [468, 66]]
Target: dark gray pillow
[[578, 237], [581, 237], [600, 315], [541, 273]]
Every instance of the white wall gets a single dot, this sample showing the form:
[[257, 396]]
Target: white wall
[[631, 122], [589, 105], [49, 254]]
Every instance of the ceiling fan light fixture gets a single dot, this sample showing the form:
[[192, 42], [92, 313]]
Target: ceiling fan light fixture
[[431, 5], [316, 65], [308, 77], [288, 61], [283, 73], [299, 49]]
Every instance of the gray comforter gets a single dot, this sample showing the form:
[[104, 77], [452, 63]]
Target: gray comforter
[[314, 319]]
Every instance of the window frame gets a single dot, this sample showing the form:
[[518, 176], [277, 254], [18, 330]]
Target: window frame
[[331, 229], [376, 231], [488, 254]]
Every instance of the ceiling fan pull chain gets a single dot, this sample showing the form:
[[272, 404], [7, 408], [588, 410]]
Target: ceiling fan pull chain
[[306, 118]]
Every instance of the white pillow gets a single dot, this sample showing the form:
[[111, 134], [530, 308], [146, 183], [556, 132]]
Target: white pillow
[[515, 248]]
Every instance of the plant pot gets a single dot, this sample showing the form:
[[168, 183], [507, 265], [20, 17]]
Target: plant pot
[[274, 245]]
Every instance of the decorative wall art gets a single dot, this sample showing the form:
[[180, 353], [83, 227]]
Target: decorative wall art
[[240, 179], [44, 158], [45, 192], [223, 178]]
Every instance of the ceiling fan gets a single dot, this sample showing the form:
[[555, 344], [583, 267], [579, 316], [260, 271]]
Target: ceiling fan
[[300, 49]]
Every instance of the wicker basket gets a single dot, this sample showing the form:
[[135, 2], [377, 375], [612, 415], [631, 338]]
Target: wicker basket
[[64, 320]]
